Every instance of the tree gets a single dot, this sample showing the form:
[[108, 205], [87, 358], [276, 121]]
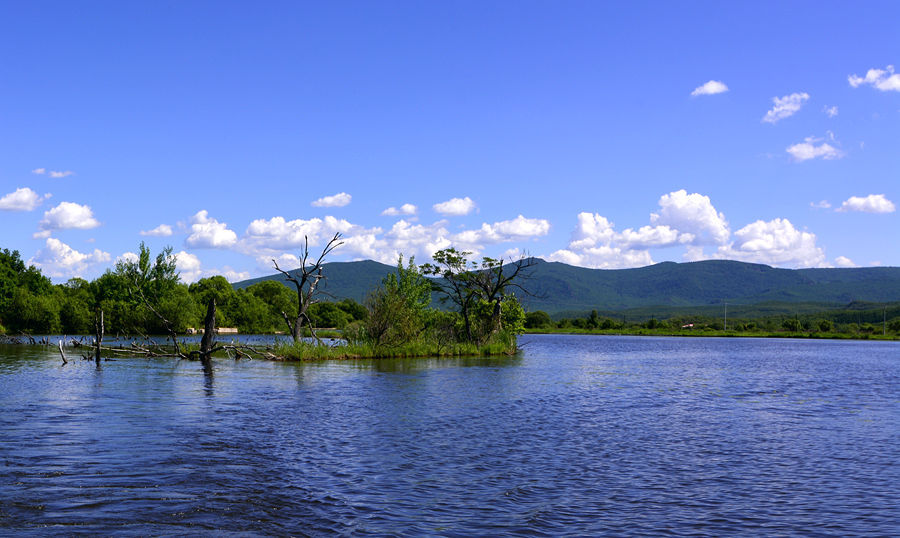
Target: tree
[[397, 307], [537, 320], [306, 279], [477, 289]]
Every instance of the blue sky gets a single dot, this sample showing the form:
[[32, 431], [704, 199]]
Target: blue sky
[[600, 134]]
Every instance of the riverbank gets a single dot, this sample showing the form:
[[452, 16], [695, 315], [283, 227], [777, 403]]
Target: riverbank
[[706, 333]]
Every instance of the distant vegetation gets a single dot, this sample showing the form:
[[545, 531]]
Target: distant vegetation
[[456, 306], [860, 321], [145, 296], [30, 303]]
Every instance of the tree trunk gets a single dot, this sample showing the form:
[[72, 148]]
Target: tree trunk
[[98, 335], [208, 342]]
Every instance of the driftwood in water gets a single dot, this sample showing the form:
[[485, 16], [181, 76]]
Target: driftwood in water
[[208, 342], [98, 335], [62, 353]]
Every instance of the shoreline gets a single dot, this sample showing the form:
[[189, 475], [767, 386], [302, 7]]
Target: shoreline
[[711, 333]]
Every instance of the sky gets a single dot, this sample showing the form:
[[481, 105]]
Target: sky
[[598, 134]]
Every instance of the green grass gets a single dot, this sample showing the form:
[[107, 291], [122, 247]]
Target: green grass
[[304, 351]]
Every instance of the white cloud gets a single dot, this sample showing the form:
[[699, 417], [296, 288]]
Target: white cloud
[[591, 245], [59, 174], [405, 209], [23, 199], [691, 214], [843, 261], [207, 232], [775, 242], [39, 171], [873, 203], [163, 230], [338, 200], [67, 216], [652, 236], [58, 259], [710, 88], [517, 229], [809, 150], [603, 257], [831, 111], [592, 229], [190, 269], [822, 204], [880, 79], [188, 266], [785, 107], [269, 236], [455, 206], [127, 257]]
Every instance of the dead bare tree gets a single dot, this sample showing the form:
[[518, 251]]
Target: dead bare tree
[[306, 279]]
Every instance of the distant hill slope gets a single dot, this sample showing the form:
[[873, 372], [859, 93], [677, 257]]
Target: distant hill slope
[[352, 280], [558, 287]]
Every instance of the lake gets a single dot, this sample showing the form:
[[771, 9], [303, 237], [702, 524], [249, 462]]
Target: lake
[[579, 435]]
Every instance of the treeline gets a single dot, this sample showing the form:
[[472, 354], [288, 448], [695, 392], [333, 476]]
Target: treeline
[[846, 322], [31, 303]]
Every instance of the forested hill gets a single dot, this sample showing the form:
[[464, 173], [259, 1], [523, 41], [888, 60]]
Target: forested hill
[[353, 280], [559, 287]]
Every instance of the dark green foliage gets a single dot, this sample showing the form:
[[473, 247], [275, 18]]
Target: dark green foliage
[[538, 320]]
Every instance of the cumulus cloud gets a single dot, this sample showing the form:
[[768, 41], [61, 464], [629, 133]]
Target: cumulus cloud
[[405, 209], [689, 220], [785, 107], [843, 261], [880, 79], [821, 204], [208, 232], [603, 257], [338, 200], [271, 235], [873, 203], [775, 242], [652, 236], [68, 216], [517, 229], [591, 229], [591, 245], [691, 214], [190, 269], [23, 199], [163, 230], [809, 150], [59, 260], [455, 206], [831, 111], [710, 88]]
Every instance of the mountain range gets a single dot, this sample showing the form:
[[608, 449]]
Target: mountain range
[[560, 288]]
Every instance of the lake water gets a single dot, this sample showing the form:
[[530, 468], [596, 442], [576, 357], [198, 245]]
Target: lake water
[[580, 435]]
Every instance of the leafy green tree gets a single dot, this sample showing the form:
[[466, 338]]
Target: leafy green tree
[[537, 320], [251, 314], [397, 307], [75, 312], [825, 325], [477, 289], [792, 325], [329, 315]]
